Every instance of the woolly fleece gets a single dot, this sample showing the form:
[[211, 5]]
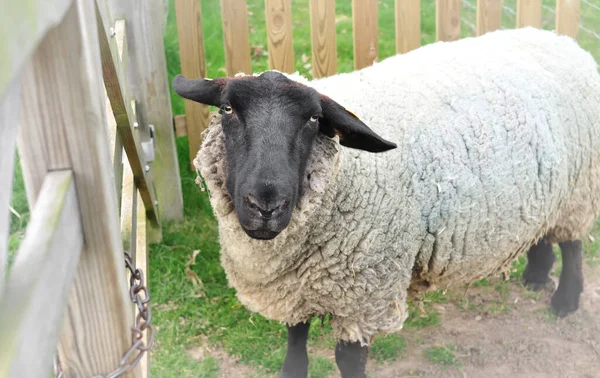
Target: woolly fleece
[[498, 144]]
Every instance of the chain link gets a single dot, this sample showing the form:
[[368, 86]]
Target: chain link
[[140, 296]]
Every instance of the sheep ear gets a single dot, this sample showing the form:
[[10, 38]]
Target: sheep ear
[[204, 91], [352, 131]]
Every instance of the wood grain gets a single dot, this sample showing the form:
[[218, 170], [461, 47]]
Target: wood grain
[[323, 36], [180, 125], [567, 17], [65, 107], [193, 66], [141, 262], [35, 297], [489, 15], [22, 26], [408, 25], [447, 20], [234, 15], [153, 102], [118, 94], [10, 107], [364, 26], [529, 13], [278, 15]]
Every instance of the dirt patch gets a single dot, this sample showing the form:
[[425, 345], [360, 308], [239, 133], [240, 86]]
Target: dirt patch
[[229, 366], [492, 331]]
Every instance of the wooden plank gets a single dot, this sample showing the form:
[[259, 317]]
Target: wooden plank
[[141, 262], [234, 15], [408, 25], [364, 27], [278, 14], [63, 86], [23, 25], [10, 106], [128, 206], [180, 125], [323, 36], [35, 297], [447, 20], [116, 147], [489, 15], [116, 88], [193, 65], [529, 13], [567, 17], [148, 20]]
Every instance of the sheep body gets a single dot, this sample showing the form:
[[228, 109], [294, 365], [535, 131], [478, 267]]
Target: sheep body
[[498, 144]]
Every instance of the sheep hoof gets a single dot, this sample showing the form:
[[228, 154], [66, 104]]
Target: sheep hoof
[[566, 301], [537, 285]]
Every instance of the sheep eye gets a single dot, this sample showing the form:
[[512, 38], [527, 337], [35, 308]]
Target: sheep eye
[[227, 109], [314, 118]]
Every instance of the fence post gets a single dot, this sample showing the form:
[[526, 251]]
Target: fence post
[[147, 80], [408, 25], [567, 17], [278, 14], [9, 121], [364, 28], [323, 35], [191, 53], [529, 13], [447, 20], [489, 15], [234, 15], [65, 128]]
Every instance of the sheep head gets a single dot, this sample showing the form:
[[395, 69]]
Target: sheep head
[[270, 124]]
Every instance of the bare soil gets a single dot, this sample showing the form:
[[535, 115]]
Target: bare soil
[[516, 336]]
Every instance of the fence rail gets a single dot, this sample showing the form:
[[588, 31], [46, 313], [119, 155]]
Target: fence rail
[[324, 54], [93, 187]]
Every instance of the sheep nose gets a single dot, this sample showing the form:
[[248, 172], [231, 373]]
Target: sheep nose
[[265, 209]]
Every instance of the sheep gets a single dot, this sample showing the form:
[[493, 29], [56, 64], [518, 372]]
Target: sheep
[[435, 168]]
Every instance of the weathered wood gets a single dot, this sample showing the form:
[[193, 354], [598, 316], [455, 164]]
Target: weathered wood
[[567, 17], [234, 15], [149, 86], [10, 105], [529, 13], [35, 297], [323, 36], [65, 127], [180, 125], [408, 25], [447, 20], [489, 15], [193, 65], [116, 88], [364, 26], [278, 14], [141, 262], [23, 24], [116, 148], [128, 207]]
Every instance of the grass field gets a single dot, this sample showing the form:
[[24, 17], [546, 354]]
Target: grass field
[[193, 304]]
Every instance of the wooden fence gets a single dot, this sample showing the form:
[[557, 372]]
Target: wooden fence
[[323, 34], [93, 125]]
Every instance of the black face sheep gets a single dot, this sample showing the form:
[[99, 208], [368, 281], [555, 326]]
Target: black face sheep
[[454, 159]]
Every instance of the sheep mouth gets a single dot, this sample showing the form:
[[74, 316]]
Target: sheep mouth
[[262, 234]]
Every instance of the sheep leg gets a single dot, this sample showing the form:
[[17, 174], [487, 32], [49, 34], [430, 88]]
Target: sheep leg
[[296, 358], [570, 285], [351, 359], [540, 259]]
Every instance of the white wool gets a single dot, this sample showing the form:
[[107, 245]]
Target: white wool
[[498, 144]]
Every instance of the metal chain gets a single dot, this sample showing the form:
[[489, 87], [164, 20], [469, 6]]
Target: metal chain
[[142, 323]]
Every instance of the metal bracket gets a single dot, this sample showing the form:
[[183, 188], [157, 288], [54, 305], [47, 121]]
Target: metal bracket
[[149, 147]]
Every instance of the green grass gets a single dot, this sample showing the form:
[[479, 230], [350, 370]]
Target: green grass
[[387, 347], [443, 355]]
